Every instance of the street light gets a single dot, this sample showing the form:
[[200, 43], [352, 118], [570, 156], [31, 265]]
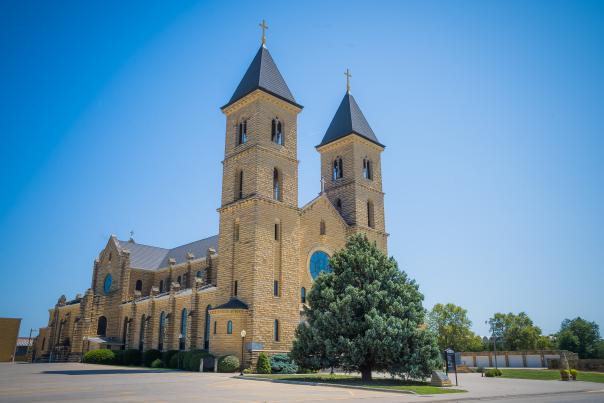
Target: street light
[[243, 333], [494, 343]]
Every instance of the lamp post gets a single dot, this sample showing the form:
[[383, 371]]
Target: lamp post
[[243, 333], [494, 343]]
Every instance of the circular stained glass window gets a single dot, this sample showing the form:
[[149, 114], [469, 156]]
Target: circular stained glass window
[[319, 262], [107, 284]]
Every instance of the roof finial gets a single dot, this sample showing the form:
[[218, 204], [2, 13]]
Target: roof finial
[[131, 235], [348, 75], [264, 28]]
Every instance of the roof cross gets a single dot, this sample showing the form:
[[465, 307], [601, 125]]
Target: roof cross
[[348, 75], [264, 28]]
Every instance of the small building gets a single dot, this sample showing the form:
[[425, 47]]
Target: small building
[[9, 330], [23, 346]]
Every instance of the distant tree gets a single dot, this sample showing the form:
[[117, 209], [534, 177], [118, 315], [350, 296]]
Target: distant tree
[[545, 343], [452, 326], [516, 332], [366, 315], [579, 336]]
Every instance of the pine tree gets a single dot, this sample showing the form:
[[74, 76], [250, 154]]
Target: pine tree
[[366, 316]]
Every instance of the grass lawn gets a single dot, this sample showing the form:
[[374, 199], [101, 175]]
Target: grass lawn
[[421, 388], [550, 375]]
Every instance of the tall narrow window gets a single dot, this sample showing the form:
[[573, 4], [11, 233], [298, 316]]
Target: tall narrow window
[[367, 169], [139, 285], [141, 335], [303, 295], [236, 232], [183, 329], [276, 330], [276, 288], [179, 280], [338, 171], [277, 131], [101, 328], [276, 185], [370, 218], [206, 331], [239, 193], [339, 205], [322, 227], [277, 231], [235, 288], [161, 285], [230, 327], [215, 327], [162, 331], [242, 132], [185, 280], [125, 333]]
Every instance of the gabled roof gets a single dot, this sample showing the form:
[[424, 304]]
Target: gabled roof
[[348, 120], [234, 303], [263, 74], [153, 257]]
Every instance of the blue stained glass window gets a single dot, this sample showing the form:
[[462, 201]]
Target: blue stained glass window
[[107, 284], [319, 262]]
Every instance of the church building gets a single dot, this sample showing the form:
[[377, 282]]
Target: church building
[[255, 274]]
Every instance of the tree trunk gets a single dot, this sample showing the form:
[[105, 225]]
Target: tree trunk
[[365, 373]]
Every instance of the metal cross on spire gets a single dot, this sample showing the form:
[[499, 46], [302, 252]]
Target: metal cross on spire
[[348, 75], [264, 28]]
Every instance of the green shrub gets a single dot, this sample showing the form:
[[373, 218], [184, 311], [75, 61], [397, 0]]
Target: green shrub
[[228, 363], [157, 363], [480, 370], [149, 356], [573, 373], [283, 364], [119, 357], [192, 359], [132, 356], [490, 373], [264, 364], [166, 356], [102, 356], [564, 374]]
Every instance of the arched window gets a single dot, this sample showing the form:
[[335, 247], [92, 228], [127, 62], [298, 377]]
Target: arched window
[[235, 290], [215, 325], [125, 333], [276, 330], [303, 295], [162, 331], [338, 171], [183, 329], [179, 280], [206, 331], [139, 285], [276, 184], [230, 327], [322, 227], [319, 262], [277, 232], [101, 327], [141, 334], [161, 285], [185, 280], [198, 274], [339, 205], [370, 220], [367, 169], [277, 131], [239, 191], [242, 132]]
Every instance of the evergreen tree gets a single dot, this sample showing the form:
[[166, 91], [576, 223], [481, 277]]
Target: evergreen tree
[[365, 316]]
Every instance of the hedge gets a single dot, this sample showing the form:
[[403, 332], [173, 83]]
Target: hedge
[[228, 363], [132, 356], [103, 356], [193, 359], [166, 357], [149, 356]]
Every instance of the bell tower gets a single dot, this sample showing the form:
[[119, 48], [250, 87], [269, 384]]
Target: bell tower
[[259, 222], [351, 170]]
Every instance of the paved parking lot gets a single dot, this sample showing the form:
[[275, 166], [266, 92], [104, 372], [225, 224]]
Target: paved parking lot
[[83, 382]]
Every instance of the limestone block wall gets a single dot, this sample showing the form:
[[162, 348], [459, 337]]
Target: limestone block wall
[[8, 337]]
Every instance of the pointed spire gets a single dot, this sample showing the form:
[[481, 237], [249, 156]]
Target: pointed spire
[[348, 120]]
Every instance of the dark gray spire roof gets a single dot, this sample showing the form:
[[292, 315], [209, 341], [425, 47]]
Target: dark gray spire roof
[[263, 74], [234, 303], [348, 120]]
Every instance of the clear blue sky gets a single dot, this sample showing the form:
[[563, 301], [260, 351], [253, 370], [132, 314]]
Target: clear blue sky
[[492, 113]]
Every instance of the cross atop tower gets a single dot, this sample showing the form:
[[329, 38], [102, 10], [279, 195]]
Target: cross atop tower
[[264, 28], [348, 75]]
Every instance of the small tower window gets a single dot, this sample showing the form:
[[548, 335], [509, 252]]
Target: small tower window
[[339, 205], [235, 288], [367, 169], [139, 285], [322, 227], [239, 192], [276, 288], [242, 132], [161, 285], [277, 131], [230, 327], [277, 231], [276, 184], [338, 171], [303, 295], [236, 231], [276, 330], [370, 218]]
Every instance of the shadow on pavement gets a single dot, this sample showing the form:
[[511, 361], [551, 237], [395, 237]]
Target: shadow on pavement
[[104, 372]]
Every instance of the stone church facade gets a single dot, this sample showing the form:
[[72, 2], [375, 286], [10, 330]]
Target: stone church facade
[[253, 275]]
